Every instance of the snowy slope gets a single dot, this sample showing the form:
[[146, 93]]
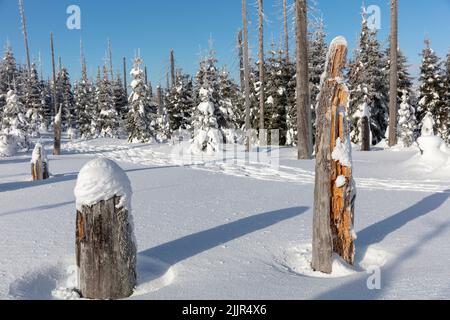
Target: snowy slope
[[229, 231]]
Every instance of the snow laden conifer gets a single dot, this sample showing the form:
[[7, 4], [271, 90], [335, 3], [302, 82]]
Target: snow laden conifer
[[108, 118], [432, 92], [207, 135], [140, 122], [47, 102], [367, 84], [228, 103], [8, 71], [180, 103], [84, 105], [34, 103], [66, 99], [120, 97], [407, 123], [15, 126]]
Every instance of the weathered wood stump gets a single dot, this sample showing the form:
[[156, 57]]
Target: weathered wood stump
[[105, 246], [334, 187], [39, 164]]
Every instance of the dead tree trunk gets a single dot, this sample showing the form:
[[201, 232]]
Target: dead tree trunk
[[261, 69], [172, 68], [125, 86], [57, 124], [334, 186], [105, 248], [111, 71], [393, 93], [365, 134], [286, 31], [246, 79], [39, 164], [241, 60], [304, 125], [25, 34]]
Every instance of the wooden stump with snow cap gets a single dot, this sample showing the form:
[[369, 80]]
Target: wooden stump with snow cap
[[105, 245], [334, 192], [39, 164]]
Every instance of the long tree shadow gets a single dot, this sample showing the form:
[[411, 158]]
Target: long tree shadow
[[191, 245], [40, 208], [357, 289], [12, 186]]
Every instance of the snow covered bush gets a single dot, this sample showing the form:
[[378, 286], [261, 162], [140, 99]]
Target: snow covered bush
[[14, 122], [7, 146], [406, 122]]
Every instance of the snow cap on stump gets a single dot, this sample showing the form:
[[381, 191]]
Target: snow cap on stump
[[100, 180]]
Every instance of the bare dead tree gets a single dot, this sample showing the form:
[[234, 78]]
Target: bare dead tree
[[172, 67], [241, 59], [246, 77], [393, 75], [111, 70], [57, 124], [286, 30], [25, 33], [125, 86], [304, 125], [261, 64]]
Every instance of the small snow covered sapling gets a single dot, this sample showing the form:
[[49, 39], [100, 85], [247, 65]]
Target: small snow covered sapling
[[105, 244]]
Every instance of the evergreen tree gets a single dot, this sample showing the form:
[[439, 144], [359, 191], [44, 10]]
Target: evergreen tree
[[8, 71], [141, 120], [34, 103], [180, 103], [228, 100], [107, 124], [367, 84], [278, 87], [432, 92], [84, 104], [66, 99], [120, 97], [407, 122], [47, 102], [14, 122]]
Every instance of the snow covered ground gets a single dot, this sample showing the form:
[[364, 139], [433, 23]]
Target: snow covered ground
[[231, 230]]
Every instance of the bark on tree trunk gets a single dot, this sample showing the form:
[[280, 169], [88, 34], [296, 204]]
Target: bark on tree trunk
[[125, 86], [286, 30], [105, 251], [304, 125], [25, 34], [172, 68], [333, 202], [365, 134], [241, 60], [39, 166], [393, 94]]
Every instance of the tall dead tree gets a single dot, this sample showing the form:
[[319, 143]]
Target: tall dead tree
[[261, 67], [110, 59], [241, 59], [172, 68], [58, 111], [393, 94], [145, 75], [125, 76], [246, 78], [286, 30], [304, 125], [334, 192], [25, 34]]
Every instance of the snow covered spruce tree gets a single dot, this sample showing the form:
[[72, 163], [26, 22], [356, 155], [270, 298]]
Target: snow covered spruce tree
[[278, 91], [48, 105], [120, 97], [14, 122], [141, 119], [108, 118], [8, 71], [34, 103], [66, 99], [367, 84], [432, 92], [84, 104], [228, 103], [407, 122], [180, 103]]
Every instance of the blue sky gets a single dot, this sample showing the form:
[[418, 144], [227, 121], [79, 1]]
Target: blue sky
[[157, 26]]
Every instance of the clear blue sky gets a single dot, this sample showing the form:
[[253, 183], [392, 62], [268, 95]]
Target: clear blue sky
[[157, 26]]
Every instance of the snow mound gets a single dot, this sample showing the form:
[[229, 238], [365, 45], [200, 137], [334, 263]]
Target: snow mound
[[340, 40], [297, 260], [100, 180], [60, 282]]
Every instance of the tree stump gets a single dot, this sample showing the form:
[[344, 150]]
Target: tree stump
[[105, 246], [334, 187], [39, 164]]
